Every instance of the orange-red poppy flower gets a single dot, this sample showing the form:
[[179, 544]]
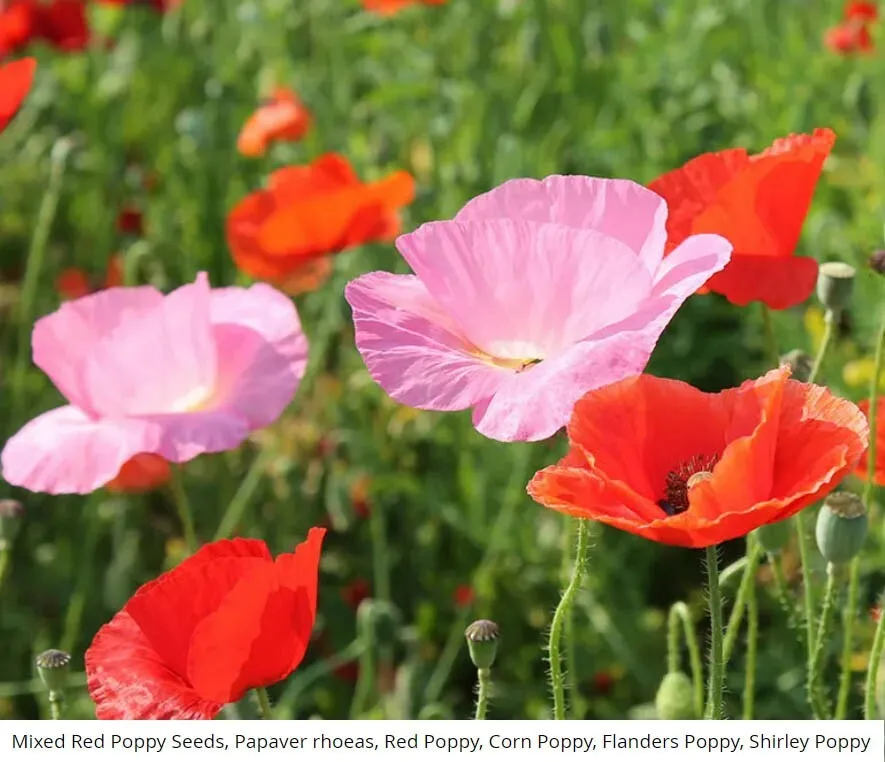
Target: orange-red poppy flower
[[464, 596], [759, 203], [282, 117], [853, 34], [389, 7], [141, 474], [670, 463], [863, 465], [225, 620], [64, 25], [74, 283], [284, 233], [15, 82], [18, 25], [130, 221], [161, 6]]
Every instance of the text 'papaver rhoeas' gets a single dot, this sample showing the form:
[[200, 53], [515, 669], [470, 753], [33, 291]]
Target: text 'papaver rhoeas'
[[670, 463], [537, 292], [227, 619], [177, 376]]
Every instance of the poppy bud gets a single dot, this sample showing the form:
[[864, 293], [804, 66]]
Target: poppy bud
[[842, 526], [800, 364], [835, 283], [675, 697], [381, 619], [52, 666], [10, 517], [877, 262], [774, 537], [482, 642]]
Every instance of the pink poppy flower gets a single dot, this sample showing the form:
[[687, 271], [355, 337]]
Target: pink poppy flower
[[177, 376], [536, 293]]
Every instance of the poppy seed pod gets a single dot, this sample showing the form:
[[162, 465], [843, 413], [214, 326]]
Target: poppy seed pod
[[774, 537], [799, 362], [482, 642], [877, 262], [10, 518], [52, 666], [674, 699], [835, 283], [842, 526]]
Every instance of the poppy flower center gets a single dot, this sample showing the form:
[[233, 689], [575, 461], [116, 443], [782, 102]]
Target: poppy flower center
[[680, 480]]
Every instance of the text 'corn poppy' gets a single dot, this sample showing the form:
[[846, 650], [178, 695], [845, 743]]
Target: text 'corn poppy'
[[665, 461], [227, 619], [282, 117], [759, 203]]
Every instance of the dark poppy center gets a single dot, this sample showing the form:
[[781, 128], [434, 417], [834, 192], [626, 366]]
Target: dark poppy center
[[681, 479]]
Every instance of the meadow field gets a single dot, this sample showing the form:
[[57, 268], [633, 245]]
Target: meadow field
[[122, 167]]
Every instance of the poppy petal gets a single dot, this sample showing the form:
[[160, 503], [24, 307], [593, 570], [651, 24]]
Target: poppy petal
[[779, 282], [16, 78], [140, 474], [863, 464], [129, 680]]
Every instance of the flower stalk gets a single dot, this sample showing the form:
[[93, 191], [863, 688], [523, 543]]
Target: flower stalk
[[716, 671]]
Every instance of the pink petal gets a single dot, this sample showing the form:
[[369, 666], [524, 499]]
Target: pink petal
[[691, 264], [536, 403], [524, 290], [62, 340], [411, 347], [620, 209], [180, 438], [164, 361], [262, 352]]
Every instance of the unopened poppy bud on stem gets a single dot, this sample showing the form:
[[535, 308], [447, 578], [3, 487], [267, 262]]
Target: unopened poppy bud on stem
[[835, 283], [675, 697], [482, 642], [842, 527], [774, 537], [10, 519], [799, 362], [378, 620]]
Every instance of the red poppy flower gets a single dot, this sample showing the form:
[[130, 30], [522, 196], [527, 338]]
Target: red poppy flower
[[285, 232], [879, 477], [15, 82], [225, 620], [141, 474], [161, 6], [73, 283], [63, 24], [282, 117], [665, 461], [359, 497], [18, 25], [853, 34], [464, 596], [859, 11], [356, 592], [389, 7], [131, 221], [759, 203]]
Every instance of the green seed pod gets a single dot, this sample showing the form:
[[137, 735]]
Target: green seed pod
[[10, 519], [842, 527], [835, 282], [800, 364], [877, 262], [774, 537], [379, 620], [675, 698], [482, 642], [52, 666]]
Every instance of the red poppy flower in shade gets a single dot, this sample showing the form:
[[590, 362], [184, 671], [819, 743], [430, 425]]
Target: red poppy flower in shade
[[141, 474], [879, 477], [16, 78], [663, 460], [63, 24], [389, 7], [759, 203], [18, 25], [853, 34], [356, 592], [284, 233], [282, 117], [74, 283], [130, 221], [463, 596], [225, 620]]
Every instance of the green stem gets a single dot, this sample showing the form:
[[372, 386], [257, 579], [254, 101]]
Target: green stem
[[5, 562], [55, 703], [830, 320], [782, 593], [380, 559], [570, 648], [770, 336], [752, 650], [557, 681], [748, 582], [869, 705], [816, 694], [183, 506], [233, 514], [680, 618], [83, 586], [263, 704], [368, 672], [716, 669], [848, 617], [809, 604], [483, 689]]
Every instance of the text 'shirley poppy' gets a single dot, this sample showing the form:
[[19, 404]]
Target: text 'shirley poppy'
[[758, 202], [16, 78], [665, 461], [227, 619], [535, 293], [879, 476], [284, 233]]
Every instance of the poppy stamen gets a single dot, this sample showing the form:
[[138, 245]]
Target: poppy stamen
[[680, 480]]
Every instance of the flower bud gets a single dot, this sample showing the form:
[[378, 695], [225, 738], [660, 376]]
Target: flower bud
[[10, 518], [835, 282], [482, 642], [52, 666], [877, 262], [774, 537], [800, 364], [378, 620], [842, 526], [675, 698]]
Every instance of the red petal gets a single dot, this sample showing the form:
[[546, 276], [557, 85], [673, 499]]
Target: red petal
[[779, 282], [15, 82], [862, 466]]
